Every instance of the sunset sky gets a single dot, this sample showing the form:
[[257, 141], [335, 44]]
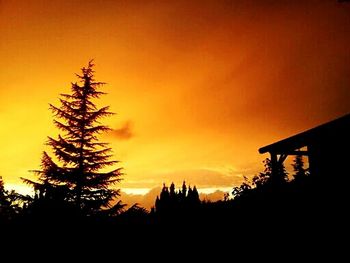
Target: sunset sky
[[198, 86]]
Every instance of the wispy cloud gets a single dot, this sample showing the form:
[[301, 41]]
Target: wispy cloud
[[123, 133]]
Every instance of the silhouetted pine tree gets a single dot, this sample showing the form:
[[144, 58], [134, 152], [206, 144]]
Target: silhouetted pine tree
[[157, 205], [184, 190], [172, 191], [76, 176], [189, 192], [165, 196], [281, 174], [193, 196], [298, 167], [173, 198]]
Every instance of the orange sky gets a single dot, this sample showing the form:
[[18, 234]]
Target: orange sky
[[198, 86]]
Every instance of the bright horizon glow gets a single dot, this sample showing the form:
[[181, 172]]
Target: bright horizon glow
[[19, 188], [26, 190], [135, 191]]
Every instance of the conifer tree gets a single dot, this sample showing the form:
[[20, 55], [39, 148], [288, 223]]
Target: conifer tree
[[172, 191], [298, 167], [157, 204], [75, 175], [184, 190], [195, 195], [164, 195]]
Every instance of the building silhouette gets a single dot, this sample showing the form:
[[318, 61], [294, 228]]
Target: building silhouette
[[326, 146]]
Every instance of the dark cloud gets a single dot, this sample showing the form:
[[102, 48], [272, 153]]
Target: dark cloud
[[123, 133]]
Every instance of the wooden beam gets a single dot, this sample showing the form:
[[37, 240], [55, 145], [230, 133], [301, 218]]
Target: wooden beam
[[282, 158], [273, 158], [274, 164], [296, 153]]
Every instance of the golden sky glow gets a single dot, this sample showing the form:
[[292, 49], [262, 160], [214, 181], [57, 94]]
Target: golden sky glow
[[198, 86]]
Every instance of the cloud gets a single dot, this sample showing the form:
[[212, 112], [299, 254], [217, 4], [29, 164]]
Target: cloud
[[213, 197], [147, 200], [123, 133], [202, 178]]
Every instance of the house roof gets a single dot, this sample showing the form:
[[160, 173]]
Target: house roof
[[340, 126]]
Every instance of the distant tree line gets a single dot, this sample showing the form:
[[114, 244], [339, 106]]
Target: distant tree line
[[261, 197], [172, 202]]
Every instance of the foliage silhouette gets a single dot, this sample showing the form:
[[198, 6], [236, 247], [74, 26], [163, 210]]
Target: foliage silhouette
[[9, 204], [75, 181], [238, 191]]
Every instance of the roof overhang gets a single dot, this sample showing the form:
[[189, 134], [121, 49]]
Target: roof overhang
[[319, 133]]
